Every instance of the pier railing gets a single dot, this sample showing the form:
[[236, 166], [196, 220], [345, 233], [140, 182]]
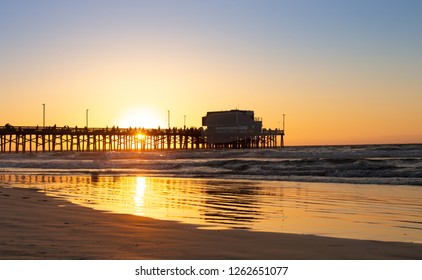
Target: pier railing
[[53, 138]]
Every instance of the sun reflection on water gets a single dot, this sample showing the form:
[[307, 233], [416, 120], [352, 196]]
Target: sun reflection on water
[[140, 196]]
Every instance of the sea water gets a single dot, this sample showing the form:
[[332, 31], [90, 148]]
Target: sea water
[[373, 164], [366, 192]]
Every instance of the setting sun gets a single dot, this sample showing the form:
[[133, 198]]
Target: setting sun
[[140, 136], [141, 117]]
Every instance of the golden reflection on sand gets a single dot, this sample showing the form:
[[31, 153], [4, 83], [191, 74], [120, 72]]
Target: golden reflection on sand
[[391, 213]]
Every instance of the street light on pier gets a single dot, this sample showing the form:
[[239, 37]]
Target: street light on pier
[[283, 122], [168, 118], [87, 118], [43, 116], [184, 121]]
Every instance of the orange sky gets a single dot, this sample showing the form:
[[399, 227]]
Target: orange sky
[[345, 77]]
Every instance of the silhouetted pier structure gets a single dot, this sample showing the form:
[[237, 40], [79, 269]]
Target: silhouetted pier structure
[[39, 139]]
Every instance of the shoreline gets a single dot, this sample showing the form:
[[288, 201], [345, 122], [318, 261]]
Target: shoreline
[[35, 226]]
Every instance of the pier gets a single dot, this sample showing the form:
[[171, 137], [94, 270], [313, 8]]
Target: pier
[[49, 139]]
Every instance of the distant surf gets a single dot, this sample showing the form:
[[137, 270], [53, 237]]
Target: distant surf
[[365, 164]]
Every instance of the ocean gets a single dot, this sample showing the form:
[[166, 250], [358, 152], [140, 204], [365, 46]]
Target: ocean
[[365, 192], [373, 164]]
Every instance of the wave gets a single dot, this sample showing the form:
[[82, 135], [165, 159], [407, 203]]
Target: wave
[[377, 164]]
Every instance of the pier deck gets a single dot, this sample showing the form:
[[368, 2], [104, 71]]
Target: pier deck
[[38, 139]]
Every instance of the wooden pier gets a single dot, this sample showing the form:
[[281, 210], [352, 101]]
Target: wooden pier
[[48, 139]]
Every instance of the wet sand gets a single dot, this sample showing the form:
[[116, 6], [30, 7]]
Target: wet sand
[[35, 226]]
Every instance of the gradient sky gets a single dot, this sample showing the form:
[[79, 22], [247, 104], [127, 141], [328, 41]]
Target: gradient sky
[[343, 72]]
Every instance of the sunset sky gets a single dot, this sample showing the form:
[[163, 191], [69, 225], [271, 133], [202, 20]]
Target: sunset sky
[[343, 72]]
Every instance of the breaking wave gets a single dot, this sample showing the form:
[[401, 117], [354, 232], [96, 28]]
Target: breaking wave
[[372, 164]]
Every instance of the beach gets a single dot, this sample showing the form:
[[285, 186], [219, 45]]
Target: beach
[[36, 226]]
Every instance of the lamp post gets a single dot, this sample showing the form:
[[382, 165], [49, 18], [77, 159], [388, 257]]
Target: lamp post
[[168, 118], [87, 118], [283, 122], [43, 116], [184, 121]]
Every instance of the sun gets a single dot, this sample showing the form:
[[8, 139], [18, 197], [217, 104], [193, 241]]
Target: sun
[[141, 136], [140, 118]]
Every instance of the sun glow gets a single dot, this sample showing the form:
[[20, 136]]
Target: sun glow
[[140, 136], [143, 118]]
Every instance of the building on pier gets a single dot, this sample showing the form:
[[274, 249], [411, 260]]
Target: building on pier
[[239, 129]]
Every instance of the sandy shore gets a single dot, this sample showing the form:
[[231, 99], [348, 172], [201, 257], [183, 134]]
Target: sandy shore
[[34, 226]]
